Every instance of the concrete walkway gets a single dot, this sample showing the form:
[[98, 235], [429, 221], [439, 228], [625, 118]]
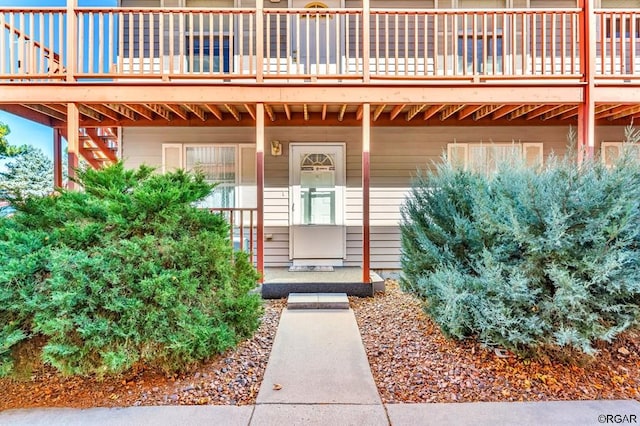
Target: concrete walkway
[[318, 374]]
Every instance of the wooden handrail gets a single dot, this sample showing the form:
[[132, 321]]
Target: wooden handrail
[[48, 52], [381, 43]]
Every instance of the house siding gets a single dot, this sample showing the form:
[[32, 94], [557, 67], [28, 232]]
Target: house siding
[[392, 167]]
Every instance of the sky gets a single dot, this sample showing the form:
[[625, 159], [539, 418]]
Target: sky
[[25, 131]]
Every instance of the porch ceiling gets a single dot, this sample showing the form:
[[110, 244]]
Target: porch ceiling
[[214, 114]]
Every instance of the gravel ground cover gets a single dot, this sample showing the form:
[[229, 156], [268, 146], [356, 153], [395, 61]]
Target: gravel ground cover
[[412, 361], [231, 378]]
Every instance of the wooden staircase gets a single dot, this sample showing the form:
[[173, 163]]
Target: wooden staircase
[[98, 146]]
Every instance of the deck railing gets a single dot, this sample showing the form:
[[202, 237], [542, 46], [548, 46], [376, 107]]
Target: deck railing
[[254, 45], [618, 44], [242, 228]]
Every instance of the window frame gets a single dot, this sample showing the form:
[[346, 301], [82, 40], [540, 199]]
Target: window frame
[[619, 146], [466, 148], [239, 164]]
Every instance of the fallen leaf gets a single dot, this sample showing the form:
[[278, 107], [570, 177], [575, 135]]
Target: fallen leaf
[[623, 351], [277, 386]]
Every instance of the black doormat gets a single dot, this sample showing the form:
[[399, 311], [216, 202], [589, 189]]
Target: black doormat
[[300, 268]]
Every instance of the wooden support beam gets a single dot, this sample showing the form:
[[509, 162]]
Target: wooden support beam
[[140, 110], [366, 198], [197, 111], [586, 110], [29, 114], [270, 112], [260, 142], [378, 111], [604, 108], [214, 110], [233, 111], [431, 111], [324, 112], [359, 113], [287, 111], [573, 112], [485, 110], [395, 111], [343, 109], [73, 141], [99, 142], [250, 110], [467, 111], [46, 111], [541, 111], [523, 110], [615, 111], [305, 112], [449, 110], [109, 113], [507, 109], [160, 110], [556, 112], [57, 158], [631, 111], [88, 112], [122, 110], [61, 108], [414, 110], [177, 110]]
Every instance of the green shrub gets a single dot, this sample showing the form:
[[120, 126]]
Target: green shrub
[[125, 272], [535, 262]]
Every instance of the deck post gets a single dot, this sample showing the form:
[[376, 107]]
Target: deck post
[[72, 40], [260, 187], [259, 41], [366, 147], [366, 41], [73, 141], [57, 158], [586, 110]]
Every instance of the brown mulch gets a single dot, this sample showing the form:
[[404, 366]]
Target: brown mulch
[[232, 378], [412, 361]]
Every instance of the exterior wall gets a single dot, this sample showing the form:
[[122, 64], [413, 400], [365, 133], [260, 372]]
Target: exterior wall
[[392, 167]]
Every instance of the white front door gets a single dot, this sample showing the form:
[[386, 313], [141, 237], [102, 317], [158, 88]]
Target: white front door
[[317, 180]]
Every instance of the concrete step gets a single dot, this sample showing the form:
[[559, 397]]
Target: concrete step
[[317, 301], [284, 289]]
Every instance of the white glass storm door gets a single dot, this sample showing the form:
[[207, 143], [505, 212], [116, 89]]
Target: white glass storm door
[[316, 204], [314, 45]]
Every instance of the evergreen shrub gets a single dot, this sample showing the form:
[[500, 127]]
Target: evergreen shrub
[[541, 262], [124, 273]]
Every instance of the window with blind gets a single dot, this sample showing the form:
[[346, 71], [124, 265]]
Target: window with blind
[[610, 151], [218, 165], [231, 167], [486, 158]]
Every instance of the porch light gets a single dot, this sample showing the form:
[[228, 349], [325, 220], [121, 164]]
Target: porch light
[[276, 148]]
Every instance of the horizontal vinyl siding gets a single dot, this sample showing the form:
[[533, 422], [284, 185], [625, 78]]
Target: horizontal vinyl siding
[[393, 166], [396, 155]]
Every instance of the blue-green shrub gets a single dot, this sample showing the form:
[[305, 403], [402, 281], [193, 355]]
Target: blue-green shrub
[[530, 260]]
